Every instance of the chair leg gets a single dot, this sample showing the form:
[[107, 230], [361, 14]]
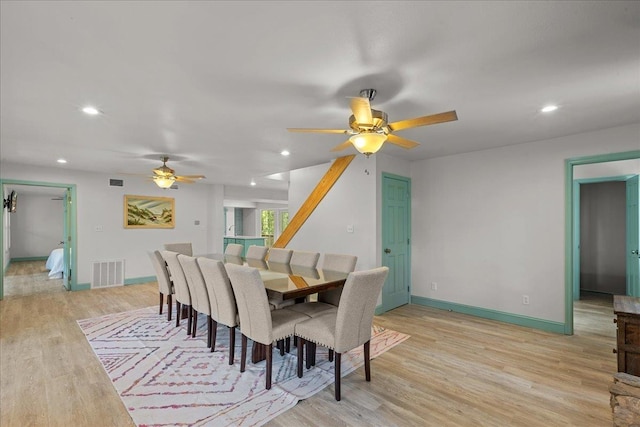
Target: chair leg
[[287, 344], [178, 310], [243, 353], [214, 334], [310, 349], [169, 303], [194, 314], [281, 347], [367, 361], [161, 301], [210, 333], [232, 344], [330, 355], [300, 355], [337, 372], [189, 319], [269, 363]]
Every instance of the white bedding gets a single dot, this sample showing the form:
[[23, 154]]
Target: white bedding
[[55, 263]]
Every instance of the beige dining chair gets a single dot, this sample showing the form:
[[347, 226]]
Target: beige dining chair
[[181, 248], [181, 289], [304, 259], [336, 263], [257, 321], [256, 252], [199, 295], [234, 249], [349, 326], [279, 255], [222, 300], [165, 287]]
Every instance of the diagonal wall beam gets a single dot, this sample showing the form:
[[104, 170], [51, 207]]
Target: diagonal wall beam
[[314, 199]]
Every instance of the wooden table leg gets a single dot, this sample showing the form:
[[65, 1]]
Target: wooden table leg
[[258, 352]]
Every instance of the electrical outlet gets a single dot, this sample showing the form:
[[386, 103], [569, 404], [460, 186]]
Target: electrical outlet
[[525, 299], [434, 286]]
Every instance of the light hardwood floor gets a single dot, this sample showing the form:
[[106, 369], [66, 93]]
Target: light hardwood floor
[[28, 278], [455, 370]]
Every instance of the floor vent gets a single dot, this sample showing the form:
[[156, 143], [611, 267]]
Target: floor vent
[[107, 273]]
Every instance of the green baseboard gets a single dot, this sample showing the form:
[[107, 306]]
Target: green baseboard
[[29, 258], [81, 287], [516, 319], [378, 310], [139, 280]]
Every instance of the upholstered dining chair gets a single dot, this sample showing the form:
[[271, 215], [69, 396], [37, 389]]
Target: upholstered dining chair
[[257, 321], [256, 252], [181, 248], [349, 326], [279, 255], [304, 259], [181, 289], [222, 300], [199, 294], [341, 263], [234, 249], [165, 287]]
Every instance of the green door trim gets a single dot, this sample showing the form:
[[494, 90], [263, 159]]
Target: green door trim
[[383, 307], [576, 221], [570, 225], [71, 219]]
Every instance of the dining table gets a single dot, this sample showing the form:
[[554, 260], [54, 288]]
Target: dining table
[[285, 282]]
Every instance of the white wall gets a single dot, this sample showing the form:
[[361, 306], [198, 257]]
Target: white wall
[[351, 201], [37, 225], [488, 226], [99, 204]]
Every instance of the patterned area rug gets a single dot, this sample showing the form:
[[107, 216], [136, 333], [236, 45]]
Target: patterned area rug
[[166, 378]]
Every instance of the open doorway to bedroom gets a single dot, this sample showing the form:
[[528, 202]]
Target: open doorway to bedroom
[[38, 237]]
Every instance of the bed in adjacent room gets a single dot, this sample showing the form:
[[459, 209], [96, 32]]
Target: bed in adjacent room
[[55, 263]]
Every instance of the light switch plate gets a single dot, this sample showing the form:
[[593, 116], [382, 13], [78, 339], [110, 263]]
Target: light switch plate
[[350, 228]]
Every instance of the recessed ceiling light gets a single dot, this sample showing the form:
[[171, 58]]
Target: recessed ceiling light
[[253, 182], [549, 108], [92, 111], [285, 152], [61, 161]]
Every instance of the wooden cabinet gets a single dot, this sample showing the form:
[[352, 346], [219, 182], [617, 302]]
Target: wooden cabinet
[[245, 241], [627, 311]]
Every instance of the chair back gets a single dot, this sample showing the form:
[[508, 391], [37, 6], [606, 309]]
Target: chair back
[[221, 298], [339, 262], [280, 255], [195, 282], [342, 264], [181, 248], [234, 249], [180, 287], [256, 252], [357, 306], [162, 275], [304, 259], [253, 305]]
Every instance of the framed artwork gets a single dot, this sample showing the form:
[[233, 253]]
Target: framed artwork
[[149, 212]]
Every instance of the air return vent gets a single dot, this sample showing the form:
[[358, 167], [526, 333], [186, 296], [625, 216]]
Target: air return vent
[[108, 273]]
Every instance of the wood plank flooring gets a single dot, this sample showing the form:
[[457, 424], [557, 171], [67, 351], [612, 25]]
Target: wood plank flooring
[[455, 370], [28, 278]]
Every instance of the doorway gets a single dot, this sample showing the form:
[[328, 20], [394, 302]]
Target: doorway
[[66, 193], [572, 253]]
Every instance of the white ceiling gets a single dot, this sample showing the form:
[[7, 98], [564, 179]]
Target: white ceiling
[[216, 84]]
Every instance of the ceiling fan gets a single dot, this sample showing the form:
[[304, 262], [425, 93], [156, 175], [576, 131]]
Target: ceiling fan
[[370, 128], [164, 176]]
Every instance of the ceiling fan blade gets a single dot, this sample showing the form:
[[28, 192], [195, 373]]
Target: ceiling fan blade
[[191, 176], [342, 146], [362, 111], [402, 142], [433, 119], [317, 130], [184, 179]]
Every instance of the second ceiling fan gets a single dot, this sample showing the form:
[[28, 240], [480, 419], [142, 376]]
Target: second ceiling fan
[[370, 129]]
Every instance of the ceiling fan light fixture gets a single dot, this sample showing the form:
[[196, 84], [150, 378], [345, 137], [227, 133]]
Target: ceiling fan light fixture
[[368, 142], [164, 181]]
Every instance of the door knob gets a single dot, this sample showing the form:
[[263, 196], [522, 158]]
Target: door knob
[[634, 252], [387, 251]]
